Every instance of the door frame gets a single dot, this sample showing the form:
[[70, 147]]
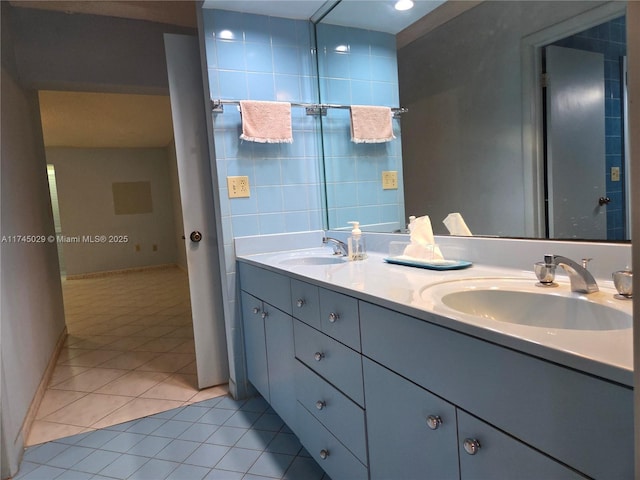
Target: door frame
[[532, 106]]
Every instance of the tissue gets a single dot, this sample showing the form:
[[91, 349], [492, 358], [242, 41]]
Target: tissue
[[423, 245], [456, 225]]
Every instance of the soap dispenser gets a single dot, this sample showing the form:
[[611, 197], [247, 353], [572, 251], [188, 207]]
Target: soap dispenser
[[356, 247]]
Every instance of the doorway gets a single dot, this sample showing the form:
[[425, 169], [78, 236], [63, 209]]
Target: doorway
[[584, 96], [130, 349]]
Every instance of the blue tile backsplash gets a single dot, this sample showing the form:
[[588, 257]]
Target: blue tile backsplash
[[610, 40]]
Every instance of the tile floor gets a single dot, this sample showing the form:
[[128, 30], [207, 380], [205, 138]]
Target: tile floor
[[216, 439], [129, 354]]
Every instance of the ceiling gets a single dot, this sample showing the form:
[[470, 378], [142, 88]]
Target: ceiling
[[378, 15], [172, 12], [300, 9], [105, 120]]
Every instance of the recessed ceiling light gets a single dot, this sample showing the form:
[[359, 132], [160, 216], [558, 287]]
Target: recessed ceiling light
[[226, 35], [403, 5]]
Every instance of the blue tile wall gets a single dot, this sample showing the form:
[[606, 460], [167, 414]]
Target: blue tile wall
[[257, 57], [358, 67], [610, 40]]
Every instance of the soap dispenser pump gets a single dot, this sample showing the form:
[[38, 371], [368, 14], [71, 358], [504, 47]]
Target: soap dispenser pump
[[356, 247]]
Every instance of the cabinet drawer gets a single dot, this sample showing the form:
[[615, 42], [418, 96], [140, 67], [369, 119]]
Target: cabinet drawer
[[339, 317], [338, 461], [339, 365], [402, 442], [305, 303], [544, 405], [501, 456], [335, 411], [271, 287]]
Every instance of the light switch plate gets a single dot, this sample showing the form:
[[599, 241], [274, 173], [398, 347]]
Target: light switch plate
[[238, 187], [389, 180], [615, 174]]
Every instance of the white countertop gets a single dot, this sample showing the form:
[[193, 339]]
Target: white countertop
[[604, 353]]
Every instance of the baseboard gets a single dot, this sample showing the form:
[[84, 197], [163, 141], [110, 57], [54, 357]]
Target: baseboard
[[107, 273], [42, 387]]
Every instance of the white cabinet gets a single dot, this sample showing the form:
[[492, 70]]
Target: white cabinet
[[373, 393], [580, 420], [268, 338], [329, 384], [412, 433]]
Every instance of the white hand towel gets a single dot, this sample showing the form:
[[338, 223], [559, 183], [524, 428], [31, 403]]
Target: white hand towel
[[266, 122], [456, 225], [423, 245], [370, 124]]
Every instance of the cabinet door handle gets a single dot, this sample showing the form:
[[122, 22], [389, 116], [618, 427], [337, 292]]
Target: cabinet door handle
[[324, 453], [300, 303], [318, 356], [320, 404], [433, 422], [264, 315], [256, 310], [333, 317], [471, 446]]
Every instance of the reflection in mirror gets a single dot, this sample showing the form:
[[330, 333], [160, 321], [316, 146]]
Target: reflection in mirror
[[472, 140], [358, 67]]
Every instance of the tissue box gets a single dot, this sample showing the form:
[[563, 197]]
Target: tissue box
[[421, 252]]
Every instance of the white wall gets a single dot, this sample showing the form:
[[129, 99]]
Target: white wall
[[56, 51], [462, 137], [31, 312], [85, 177]]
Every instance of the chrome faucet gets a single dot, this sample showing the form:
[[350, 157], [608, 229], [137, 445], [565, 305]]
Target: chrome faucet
[[580, 278], [339, 248]]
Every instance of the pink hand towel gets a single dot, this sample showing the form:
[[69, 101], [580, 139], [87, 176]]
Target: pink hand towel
[[371, 124], [266, 122]]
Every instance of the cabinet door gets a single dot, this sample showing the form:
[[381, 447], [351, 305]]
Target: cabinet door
[[281, 363], [401, 442], [502, 456], [255, 344]]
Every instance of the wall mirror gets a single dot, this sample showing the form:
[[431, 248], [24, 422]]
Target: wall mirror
[[481, 136]]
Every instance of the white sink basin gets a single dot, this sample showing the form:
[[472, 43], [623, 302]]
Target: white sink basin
[[520, 301], [312, 260]]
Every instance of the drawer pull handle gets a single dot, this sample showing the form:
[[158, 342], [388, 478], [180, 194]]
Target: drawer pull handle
[[256, 310], [300, 303], [264, 315], [320, 404], [433, 422], [471, 446], [318, 356], [333, 317], [324, 453]]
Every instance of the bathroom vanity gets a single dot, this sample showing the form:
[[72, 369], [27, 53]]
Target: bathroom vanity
[[377, 382]]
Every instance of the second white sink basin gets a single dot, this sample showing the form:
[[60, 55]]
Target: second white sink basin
[[519, 301]]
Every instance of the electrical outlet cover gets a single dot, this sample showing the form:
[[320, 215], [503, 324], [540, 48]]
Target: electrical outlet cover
[[389, 180], [238, 187]]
